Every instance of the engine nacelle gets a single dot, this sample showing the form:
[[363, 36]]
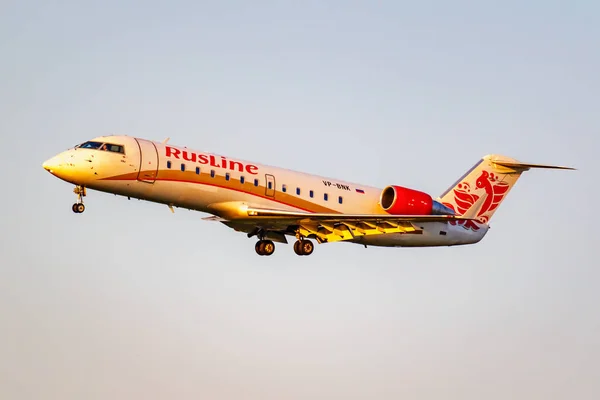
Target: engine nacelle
[[398, 200]]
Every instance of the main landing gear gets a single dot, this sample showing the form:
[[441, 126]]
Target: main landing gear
[[264, 247], [303, 247], [78, 207]]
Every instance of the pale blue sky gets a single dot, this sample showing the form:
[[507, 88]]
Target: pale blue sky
[[129, 301]]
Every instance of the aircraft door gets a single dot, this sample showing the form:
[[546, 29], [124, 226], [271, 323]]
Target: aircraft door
[[148, 161], [270, 186]]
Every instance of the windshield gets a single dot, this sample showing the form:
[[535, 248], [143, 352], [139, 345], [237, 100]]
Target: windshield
[[114, 148], [90, 145]]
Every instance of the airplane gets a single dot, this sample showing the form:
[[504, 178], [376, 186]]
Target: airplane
[[273, 203]]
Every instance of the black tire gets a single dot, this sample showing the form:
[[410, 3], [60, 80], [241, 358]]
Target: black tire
[[297, 248], [74, 208], [258, 249], [80, 208]]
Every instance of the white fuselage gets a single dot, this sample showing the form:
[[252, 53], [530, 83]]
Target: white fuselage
[[186, 178]]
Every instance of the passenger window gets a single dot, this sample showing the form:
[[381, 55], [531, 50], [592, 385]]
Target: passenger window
[[283, 188], [256, 182], [326, 196], [270, 185], [212, 173], [298, 191], [182, 167], [227, 176], [242, 179], [340, 200], [197, 170], [169, 164], [311, 194]]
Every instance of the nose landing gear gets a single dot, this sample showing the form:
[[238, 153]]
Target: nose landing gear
[[78, 207]]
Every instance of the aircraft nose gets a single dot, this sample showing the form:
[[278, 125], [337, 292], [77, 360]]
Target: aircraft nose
[[51, 165]]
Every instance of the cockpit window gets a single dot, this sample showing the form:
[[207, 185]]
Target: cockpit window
[[90, 145], [115, 148]]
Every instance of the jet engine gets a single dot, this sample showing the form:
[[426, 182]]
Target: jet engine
[[398, 200]]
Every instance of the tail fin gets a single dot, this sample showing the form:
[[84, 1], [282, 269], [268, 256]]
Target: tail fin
[[487, 183]]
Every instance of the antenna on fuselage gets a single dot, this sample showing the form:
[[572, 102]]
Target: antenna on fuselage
[[166, 140]]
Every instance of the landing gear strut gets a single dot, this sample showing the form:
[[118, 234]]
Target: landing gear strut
[[264, 247], [78, 207], [303, 247]]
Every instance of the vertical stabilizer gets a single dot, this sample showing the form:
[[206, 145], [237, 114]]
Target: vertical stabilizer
[[486, 185], [485, 180]]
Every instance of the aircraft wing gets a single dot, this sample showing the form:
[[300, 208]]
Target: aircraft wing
[[327, 227]]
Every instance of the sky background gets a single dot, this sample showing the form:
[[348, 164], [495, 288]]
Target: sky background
[[130, 301]]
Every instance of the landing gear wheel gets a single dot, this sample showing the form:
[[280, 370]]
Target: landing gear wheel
[[78, 208], [297, 249], [268, 247], [307, 247], [74, 208], [303, 247], [264, 247]]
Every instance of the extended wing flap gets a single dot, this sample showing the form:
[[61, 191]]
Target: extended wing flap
[[327, 232]]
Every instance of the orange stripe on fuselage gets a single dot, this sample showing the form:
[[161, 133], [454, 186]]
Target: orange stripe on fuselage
[[220, 182]]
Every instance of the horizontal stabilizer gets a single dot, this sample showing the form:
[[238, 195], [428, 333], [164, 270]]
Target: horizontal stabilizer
[[526, 166]]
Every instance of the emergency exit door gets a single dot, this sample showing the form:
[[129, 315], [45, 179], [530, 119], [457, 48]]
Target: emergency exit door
[[270, 186], [148, 161]]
